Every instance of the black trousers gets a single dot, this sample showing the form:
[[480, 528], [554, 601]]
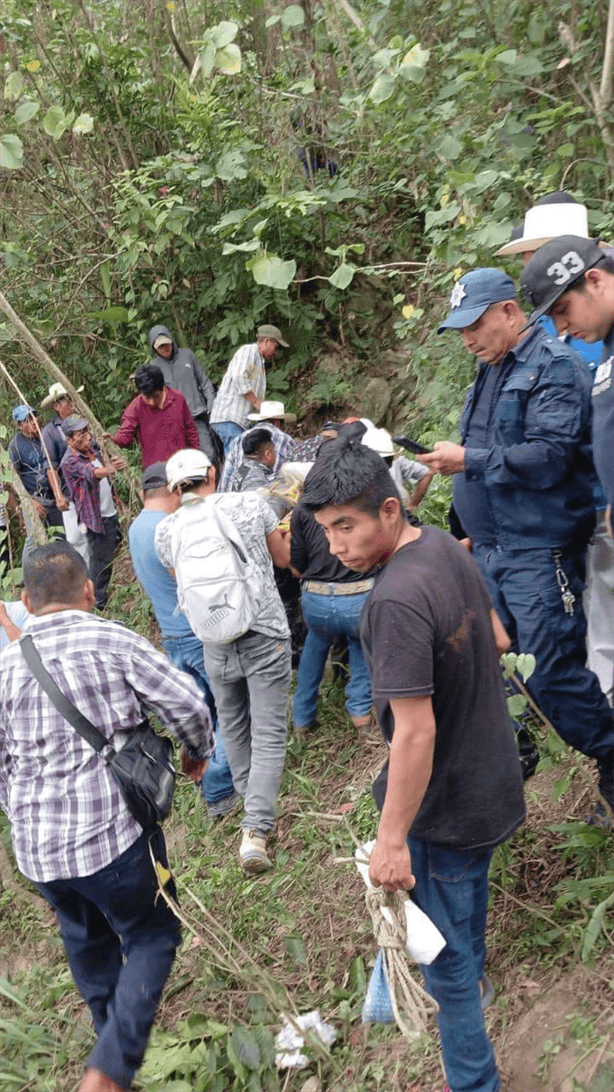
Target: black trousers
[[101, 548]]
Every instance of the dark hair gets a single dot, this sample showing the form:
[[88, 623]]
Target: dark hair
[[149, 378], [54, 573], [348, 473], [255, 440]]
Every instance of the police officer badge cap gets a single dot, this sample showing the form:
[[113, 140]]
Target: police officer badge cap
[[554, 268], [473, 293]]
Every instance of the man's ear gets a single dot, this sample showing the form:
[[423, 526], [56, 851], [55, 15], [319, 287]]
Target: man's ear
[[27, 602], [89, 595], [390, 508]]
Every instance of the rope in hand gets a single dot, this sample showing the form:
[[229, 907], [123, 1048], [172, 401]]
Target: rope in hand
[[411, 1004]]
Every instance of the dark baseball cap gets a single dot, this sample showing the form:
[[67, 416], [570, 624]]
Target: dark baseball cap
[[474, 293], [554, 268], [154, 476], [73, 424]]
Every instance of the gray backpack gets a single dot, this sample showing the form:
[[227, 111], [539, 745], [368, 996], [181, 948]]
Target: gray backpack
[[220, 589]]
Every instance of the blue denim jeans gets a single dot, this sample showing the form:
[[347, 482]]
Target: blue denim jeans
[[227, 432], [250, 679], [186, 653], [525, 593], [120, 939], [452, 888], [327, 617]]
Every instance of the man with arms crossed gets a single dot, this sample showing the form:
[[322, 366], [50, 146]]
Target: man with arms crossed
[[454, 787]]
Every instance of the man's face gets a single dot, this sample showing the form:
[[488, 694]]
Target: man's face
[[357, 538], [493, 335], [155, 400], [29, 427], [165, 350], [584, 314], [64, 407], [268, 347], [80, 441]]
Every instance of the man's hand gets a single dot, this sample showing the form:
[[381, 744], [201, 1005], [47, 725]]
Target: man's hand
[[118, 463], [390, 867], [63, 504], [41, 511], [446, 458], [192, 767]]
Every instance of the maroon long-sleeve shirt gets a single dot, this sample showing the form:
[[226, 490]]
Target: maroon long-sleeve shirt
[[160, 432]]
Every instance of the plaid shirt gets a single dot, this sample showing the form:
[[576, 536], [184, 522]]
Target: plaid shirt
[[244, 373], [83, 488], [285, 448], [67, 815]]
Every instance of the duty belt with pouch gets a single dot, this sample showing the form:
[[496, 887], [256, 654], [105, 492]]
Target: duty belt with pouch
[[318, 587], [143, 768]]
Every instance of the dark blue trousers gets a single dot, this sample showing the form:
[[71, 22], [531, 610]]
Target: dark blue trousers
[[527, 597], [120, 941]]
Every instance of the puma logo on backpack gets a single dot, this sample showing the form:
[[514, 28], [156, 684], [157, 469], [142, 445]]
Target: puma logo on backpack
[[219, 587]]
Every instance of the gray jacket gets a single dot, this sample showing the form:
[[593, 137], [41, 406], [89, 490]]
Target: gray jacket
[[184, 374]]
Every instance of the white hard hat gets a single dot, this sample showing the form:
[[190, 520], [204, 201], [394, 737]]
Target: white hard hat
[[380, 440], [186, 465]]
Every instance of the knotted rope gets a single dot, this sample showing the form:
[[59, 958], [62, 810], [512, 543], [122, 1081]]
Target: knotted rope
[[411, 1004]]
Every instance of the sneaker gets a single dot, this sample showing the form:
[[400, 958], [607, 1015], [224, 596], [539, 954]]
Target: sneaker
[[301, 731], [252, 854], [487, 992], [363, 722], [222, 807]]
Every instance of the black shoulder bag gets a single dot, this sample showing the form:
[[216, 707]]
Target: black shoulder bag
[[143, 768]]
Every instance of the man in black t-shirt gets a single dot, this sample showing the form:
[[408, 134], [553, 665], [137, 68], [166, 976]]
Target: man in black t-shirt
[[454, 786]]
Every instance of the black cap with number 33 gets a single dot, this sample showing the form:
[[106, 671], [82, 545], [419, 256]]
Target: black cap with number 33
[[554, 268]]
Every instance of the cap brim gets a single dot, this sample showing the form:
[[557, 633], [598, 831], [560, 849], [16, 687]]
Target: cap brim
[[458, 320]]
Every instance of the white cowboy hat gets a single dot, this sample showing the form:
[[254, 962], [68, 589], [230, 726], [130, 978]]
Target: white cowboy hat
[[57, 391], [271, 410], [545, 222]]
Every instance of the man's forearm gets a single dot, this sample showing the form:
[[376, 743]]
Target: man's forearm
[[410, 769], [251, 398]]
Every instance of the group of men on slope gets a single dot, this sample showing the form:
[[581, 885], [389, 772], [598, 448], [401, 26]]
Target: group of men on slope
[[452, 789]]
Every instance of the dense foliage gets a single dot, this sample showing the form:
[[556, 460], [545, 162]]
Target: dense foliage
[[151, 170]]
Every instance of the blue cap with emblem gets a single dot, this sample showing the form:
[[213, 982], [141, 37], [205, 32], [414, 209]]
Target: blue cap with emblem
[[474, 293]]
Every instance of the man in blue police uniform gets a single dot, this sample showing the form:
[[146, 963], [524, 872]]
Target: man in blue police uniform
[[523, 486]]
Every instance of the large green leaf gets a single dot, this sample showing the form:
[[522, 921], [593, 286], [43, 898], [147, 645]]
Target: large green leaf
[[293, 16], [83, 124], [11, 152], [271, 271], [223, 34], [26, 110], [13, 86], [112, 314], [382, 88], [55, 122], [228, 60], [343, 275], [231, 166], [413, 65]]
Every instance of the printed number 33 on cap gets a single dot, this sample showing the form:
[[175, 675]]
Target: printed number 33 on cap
[[569, 266]]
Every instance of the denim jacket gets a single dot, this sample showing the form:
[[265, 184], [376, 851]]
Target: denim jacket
[[537, 471]]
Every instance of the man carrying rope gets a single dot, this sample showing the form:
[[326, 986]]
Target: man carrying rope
[[452, 789]]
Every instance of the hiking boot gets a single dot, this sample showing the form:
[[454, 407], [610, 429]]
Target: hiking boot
[[222, 807], [252, 854]]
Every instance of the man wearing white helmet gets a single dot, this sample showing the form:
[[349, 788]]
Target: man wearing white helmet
[[412, 479], [250, 673]]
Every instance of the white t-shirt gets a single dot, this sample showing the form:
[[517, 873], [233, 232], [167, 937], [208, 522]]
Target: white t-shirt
[[107, 505]]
